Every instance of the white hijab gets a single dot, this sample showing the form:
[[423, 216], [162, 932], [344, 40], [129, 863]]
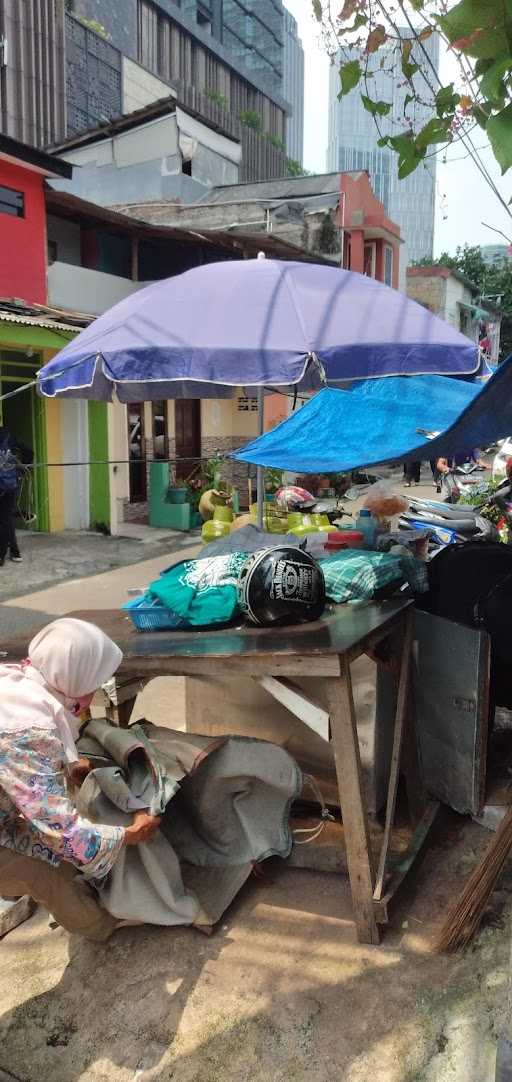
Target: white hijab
[[66, 660]]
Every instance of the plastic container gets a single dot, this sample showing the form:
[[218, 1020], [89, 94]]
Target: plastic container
[[213, 530], [222, 513], [321, 521], [344, 539], [367, 524], [152, 615], [302, 531], [176, 494]]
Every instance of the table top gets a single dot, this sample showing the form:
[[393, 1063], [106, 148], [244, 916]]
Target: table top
[[339, 631], [342, 630]]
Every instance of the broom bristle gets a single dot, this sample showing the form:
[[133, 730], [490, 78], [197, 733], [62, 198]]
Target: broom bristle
[[464, 917]]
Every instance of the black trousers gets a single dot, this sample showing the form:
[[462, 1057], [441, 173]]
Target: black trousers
[[412, 471], [7, 524]]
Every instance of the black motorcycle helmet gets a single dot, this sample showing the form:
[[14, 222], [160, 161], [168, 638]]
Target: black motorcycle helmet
[[281, 586]]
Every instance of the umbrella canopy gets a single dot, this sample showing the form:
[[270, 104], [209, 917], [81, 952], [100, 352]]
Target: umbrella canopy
[[255, 323], [386, 422]]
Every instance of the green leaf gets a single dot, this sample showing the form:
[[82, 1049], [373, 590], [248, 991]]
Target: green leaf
[[403, 144], [417, 4], [406, 48], [383, 141], [482, 66], [409, 69], [492, 85], [499, 130], [350, 75], [436, 131], [477, 28], [408, 98], [317, 10], [359, 21], [408, 165], [376, 108], [482, 113], [446, 100]]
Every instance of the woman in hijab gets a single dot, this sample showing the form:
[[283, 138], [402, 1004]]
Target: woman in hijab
[[43, 839]]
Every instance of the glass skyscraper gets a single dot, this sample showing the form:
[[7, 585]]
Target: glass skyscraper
[[250, 30], [293, 87], [353, 143]]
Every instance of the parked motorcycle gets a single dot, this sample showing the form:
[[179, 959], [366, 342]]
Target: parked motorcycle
[[451, 523]]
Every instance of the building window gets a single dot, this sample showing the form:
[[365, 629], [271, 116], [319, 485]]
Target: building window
[[388, 265], [247, 405], [12, 202], [205, 22]]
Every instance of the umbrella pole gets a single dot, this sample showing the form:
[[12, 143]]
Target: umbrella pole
[[260, 472]]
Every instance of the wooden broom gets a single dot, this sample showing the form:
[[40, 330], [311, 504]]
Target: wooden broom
[[464, 917]]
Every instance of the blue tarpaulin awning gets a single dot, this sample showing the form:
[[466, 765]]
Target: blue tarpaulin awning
[[385, 420]]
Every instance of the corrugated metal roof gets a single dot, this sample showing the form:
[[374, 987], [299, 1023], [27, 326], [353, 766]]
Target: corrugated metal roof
[[71, 206], [36, 321], [285, 188]]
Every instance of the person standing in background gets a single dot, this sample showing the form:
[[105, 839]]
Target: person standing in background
[[12, 453], [412, 472]]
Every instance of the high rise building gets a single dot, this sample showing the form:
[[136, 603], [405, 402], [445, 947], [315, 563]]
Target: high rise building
[[67, 66], [293, 87], [250, 30], [353, 139]]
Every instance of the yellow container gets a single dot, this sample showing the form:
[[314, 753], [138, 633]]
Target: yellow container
[[294, 518], [321, 521], [223, 514], [301, 531], [213, 530]]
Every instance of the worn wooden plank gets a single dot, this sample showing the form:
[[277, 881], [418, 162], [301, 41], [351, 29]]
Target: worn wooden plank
[[409, 860], [417, 797], [119, 691], [13, 913], [400, 719], [120, 713], [355, 820], [311, 713]]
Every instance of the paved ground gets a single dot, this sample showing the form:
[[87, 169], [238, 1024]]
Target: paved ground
[[282, 992], [59, 557]]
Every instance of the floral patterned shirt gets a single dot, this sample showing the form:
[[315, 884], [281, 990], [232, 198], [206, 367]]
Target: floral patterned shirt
[[37, 817]]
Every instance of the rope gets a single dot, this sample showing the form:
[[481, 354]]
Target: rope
[[325, 815]]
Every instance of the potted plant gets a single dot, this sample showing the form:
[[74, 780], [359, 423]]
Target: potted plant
[[273, 481], [178, 490]]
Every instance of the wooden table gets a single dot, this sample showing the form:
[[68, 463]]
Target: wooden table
[[323, 649]]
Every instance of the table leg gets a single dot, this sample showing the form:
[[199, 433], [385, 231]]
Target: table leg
[[398, 735], [120, 713], [355, 819]]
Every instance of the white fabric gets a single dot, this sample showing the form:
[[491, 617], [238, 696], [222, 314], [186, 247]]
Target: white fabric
[[65, 657], [74, 657], [25, 703]]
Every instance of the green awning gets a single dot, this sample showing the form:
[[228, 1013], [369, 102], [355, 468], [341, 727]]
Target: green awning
[[32, 336]]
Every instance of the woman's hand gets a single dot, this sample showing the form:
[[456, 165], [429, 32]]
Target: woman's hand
[[78, 771], [144, 827]]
